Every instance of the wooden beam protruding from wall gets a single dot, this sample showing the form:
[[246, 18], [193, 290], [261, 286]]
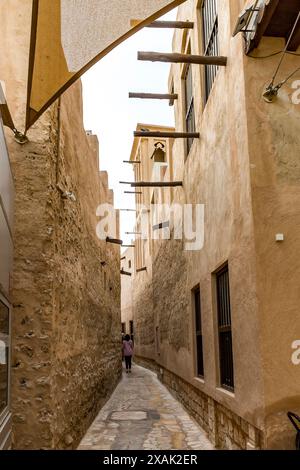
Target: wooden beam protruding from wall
[[153, 184], [167, 135], [114, 241], [141, 269], [132, 162], [172, 24], [176, 58], [154, 96], [125, 273], [128, 210]]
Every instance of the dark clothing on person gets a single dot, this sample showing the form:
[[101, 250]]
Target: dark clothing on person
[[128, 362]]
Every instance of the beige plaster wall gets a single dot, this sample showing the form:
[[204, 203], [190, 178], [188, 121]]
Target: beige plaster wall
[[216, 174], [244, 168], [274, 148]]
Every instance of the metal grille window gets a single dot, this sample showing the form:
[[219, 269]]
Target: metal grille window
[[210, 41], [123, 328], [199, 339], [225, 332], [189, 105]]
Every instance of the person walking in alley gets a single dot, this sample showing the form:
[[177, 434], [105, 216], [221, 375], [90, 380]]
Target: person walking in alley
[[128, 352]]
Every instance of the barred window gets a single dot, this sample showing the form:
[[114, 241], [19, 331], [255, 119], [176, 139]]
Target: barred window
[[210, 41], [189, 105], [225, 330], [198, 325]]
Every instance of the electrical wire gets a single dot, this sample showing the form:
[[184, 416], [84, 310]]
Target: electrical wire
[[284, 51], [290, 76], [264, 56], [272, 55]]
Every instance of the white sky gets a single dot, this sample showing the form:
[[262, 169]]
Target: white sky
[[110, 114]]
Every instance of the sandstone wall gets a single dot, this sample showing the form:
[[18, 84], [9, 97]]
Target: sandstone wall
[[127, 264], [86, 297], [66, 352]]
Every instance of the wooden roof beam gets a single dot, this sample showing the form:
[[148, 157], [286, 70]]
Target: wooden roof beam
[[172, 24], [128, 210], [155, 96], [176, 58], [153, 184], [125, 273], [139, 270], [114, 241], [167, 135]]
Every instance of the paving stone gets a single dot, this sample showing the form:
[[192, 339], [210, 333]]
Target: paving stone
[[142, 414]]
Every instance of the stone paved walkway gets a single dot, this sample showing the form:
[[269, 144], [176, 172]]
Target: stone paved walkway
[[142, 414]]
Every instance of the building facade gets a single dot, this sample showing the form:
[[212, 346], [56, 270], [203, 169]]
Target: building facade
[[219, 323], [65, 287]]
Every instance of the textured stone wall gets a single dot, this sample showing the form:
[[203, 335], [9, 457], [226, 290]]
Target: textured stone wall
[[127, 264], [171, 294], [224, 428], [143, 315], [66, 321]]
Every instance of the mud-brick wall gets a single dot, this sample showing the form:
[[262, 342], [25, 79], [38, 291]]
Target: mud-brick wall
[[66, 321], [144, 328]]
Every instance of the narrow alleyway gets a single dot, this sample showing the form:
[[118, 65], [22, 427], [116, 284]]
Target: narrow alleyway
[[142, 414]]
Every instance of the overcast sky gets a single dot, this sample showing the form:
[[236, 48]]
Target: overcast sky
[[110, 114]]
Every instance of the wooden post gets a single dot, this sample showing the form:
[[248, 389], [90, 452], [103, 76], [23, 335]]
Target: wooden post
[[167, 135], [128, 210], [176, 58], [125, 273], [154, 96], [157, 184], [141, 269], [114, 241], [153, 184], [172, 24]]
